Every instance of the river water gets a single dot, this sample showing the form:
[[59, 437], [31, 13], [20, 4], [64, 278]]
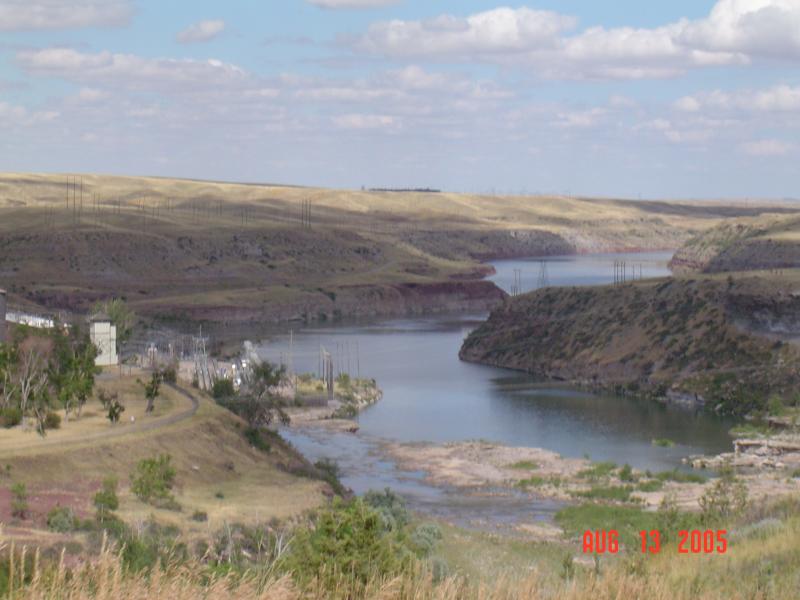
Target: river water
[[430, 395]]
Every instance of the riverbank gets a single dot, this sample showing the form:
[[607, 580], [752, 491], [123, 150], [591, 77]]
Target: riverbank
[[542, 473], [653, 338]]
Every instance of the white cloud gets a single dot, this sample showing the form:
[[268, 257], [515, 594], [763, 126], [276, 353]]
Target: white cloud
[[27, 15], [766, 148], [130, 71], [203, 31], [486, 34], [360, 121], [352, 3], [779, 98], [736, 32]]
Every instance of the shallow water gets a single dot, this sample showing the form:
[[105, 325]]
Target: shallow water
[[429, 395]]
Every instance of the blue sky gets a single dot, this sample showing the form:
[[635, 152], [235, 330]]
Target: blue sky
[[658, 100]]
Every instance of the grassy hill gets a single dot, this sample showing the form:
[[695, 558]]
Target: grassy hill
[[219, 473], [749, 244], [196, 250], [705, 338]]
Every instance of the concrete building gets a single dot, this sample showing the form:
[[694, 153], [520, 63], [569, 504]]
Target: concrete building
[[2, 316], [103, 335]]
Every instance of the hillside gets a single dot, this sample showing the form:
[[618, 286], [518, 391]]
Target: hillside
[[206, 251], [749, 244], [218, 471], [712, 340]]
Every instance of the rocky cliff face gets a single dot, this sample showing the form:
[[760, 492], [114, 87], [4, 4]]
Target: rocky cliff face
[[744, 245], [679, 338]]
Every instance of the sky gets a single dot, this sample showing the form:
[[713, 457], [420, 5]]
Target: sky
[[678, 99]]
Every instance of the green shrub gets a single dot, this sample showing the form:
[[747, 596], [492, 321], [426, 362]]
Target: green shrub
[[597, 470], [425, 538], [390, 506], [663, 443], [348, 539], [254, 437], [52, 421], [153, 480], [328, 471], [61, 519], [10, 417], [612, 492], [652, 485], [19, 500], [726, 498], [106, 500], [626, 473], [776, 407], [223, 388], [200, 516]]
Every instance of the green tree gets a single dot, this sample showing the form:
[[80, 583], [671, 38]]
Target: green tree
[[72, 369], [106, 500], [9, 358], [257, 402], [153, 479], [19, 500], [122, 317], [152, 389]]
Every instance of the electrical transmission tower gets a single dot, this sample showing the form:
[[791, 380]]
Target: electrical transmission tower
[[516, 287], [544, 277]]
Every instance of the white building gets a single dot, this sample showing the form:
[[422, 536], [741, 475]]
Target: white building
[[103, 335]]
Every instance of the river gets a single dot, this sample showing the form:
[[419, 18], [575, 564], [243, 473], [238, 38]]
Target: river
[[430, 395]]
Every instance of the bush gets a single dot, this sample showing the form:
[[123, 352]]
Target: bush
[[348, 539], [153, 480], [223, 388], [61, 519], [10, 417], [626, 473], [390, 506], [725, 499], [329, 472], [169, 374], [200, 516], [52, 421], [19, 500], [425, 538], [256, 439], [106, 500]]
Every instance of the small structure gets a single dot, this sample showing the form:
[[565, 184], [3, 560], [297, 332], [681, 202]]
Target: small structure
[[103, 335], [2, 316]]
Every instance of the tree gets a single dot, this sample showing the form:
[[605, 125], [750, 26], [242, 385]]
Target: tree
[[122, 317], [153, 479], [31, 380], [106, 500], [152, 390], [72, 369], [258, 403], [111, 404], [9, 359], [19, 500]]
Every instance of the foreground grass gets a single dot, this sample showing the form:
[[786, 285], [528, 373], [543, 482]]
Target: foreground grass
[[756, 566]]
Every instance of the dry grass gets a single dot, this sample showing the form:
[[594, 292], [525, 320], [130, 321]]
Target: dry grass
[[208, 450], [754, 568]]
